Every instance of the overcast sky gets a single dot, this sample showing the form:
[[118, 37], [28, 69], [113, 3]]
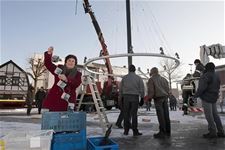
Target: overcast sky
[[29, 27]]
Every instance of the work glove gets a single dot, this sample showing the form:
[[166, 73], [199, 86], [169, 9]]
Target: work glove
[[141, 103]]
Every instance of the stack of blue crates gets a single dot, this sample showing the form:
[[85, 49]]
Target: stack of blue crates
[[69, 127]]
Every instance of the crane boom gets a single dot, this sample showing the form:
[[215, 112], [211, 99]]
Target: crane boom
[[104, 51], [216, 51]]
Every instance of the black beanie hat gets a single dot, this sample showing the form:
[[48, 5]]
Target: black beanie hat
[[197, 61], [132, 68], [71, 56], [210, 66]]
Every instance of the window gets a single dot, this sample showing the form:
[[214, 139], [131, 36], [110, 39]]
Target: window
[[2, 80], [15, 80]]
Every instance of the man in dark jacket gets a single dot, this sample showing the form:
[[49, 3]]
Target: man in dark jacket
[[199, 68], [131, 88], [39, 96], [158, 89], [186, 93], [29, 98], [208, 91], [173, 102]]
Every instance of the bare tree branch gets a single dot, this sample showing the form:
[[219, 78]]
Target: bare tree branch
[[170, 73], [38, 68]]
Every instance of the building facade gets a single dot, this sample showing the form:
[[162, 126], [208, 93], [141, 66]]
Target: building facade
[[221, 72], [13, 81]]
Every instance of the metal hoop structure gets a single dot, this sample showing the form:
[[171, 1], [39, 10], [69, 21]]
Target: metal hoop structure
[[126, 55]]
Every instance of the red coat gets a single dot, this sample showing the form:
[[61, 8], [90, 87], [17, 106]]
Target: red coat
[[53, 100]]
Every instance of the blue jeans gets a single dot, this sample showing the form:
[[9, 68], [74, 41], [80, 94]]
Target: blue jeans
[[212, 117]]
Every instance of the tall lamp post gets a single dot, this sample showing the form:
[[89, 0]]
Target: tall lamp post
[[129, 41]]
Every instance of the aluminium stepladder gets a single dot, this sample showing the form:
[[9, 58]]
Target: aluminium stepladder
[[97, 101]]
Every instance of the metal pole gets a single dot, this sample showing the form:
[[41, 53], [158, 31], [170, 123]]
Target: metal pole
[[129, 44]]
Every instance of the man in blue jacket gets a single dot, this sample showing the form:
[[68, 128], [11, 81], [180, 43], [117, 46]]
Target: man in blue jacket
[[208, 91]]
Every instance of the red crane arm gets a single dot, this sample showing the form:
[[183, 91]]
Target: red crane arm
[[104, 51]]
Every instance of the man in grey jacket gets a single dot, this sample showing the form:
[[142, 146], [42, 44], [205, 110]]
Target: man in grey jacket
[[208, 91], [158, 89], [131, 88]]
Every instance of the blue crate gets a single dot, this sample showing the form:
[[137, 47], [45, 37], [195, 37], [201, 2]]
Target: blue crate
[[63, 121], [69, 141], [93, 143]]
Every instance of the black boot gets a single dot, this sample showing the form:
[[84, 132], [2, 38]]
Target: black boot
[[119, 126], [126, 131], [209, 135], [28, 111], [136, 132], [221, 135], [168, 134], [159, 135], [39, 110]]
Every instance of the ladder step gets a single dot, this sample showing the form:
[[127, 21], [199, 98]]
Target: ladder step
[[88, 103], [106, 123], [103, 116], [82, 92]]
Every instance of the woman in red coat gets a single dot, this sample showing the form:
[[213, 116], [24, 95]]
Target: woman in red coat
[[62, 95]]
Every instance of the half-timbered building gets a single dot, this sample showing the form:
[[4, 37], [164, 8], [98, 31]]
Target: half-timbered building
[[13, 81]]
